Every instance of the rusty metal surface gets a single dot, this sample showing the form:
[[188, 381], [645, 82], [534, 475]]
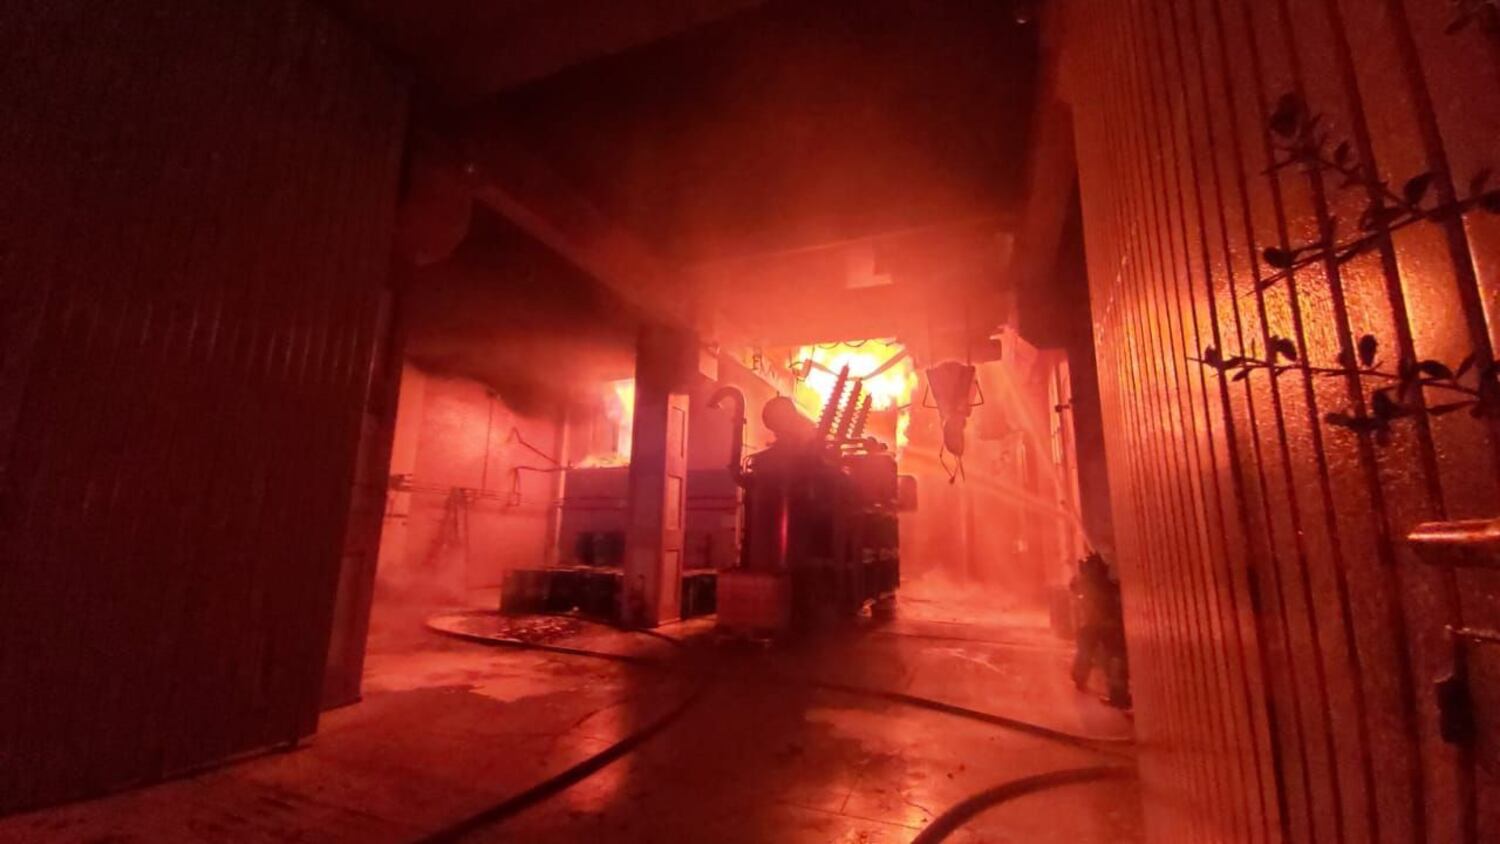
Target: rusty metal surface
[[1284, 636], [195, 205]]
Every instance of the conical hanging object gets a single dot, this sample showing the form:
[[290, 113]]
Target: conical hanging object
[[952, 383]]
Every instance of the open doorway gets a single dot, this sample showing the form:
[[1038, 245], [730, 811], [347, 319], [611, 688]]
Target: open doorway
[[511, 415]]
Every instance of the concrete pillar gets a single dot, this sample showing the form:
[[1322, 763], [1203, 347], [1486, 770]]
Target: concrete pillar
[[667, 361]]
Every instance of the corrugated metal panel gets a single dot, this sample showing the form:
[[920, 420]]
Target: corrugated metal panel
[[194, 229], [1283, 637], [343, 674]]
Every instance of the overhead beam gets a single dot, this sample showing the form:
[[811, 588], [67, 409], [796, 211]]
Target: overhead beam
[[531, 196], [914, 281], [987, 223], [1051, 171], [467, 49]]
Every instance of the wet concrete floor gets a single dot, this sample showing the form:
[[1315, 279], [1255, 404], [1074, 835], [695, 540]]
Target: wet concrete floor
[[753, 744]]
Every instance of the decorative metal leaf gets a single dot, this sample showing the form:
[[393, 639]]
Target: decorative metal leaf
[[1435, 369], [1465, 365], [1368, 348], [1287, 117], [1441, 409], [1377, 216], [1383, 406], [1281, 259], [1284, 347], [1416, 188]]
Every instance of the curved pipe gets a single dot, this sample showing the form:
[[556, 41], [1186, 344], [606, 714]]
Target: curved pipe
[[737, 434]]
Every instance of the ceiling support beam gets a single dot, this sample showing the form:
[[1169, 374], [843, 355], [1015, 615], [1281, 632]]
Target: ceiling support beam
[[1051, 172], [527, 193], [468, 50]]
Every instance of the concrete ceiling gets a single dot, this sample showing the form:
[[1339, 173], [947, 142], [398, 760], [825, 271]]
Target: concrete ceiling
[[465, 49], [792, 124], [921, 285], [734, 153]]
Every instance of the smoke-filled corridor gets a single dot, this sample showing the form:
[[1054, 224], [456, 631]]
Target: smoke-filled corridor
[[750, 421]]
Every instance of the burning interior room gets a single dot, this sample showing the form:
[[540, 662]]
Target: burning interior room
[[750, 421]]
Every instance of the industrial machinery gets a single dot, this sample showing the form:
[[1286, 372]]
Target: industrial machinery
[[821, 536], [587, 573]]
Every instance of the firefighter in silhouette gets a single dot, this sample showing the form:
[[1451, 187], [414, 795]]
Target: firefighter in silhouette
[[1101, 629]]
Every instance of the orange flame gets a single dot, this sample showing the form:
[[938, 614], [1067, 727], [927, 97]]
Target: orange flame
[[619, 410], [889, 390]]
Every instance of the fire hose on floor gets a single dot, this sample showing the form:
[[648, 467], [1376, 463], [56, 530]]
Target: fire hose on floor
[[940, 828], [949, 822], [566, 779]]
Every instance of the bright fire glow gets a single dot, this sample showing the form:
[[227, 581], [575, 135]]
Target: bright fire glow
[[618, 402], [889, 391]]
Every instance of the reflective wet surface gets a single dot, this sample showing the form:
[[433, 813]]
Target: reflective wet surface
[[796, 742]]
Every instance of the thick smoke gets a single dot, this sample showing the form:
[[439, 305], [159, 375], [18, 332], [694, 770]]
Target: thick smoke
[[509, 314]]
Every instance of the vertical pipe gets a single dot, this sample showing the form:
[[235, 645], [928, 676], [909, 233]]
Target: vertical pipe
[[553, 552]]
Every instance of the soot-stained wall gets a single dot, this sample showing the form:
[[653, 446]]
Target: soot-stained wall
[[195, 211]]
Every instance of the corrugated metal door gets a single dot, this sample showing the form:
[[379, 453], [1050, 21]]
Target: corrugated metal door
[[1285, 637], [195, 212]]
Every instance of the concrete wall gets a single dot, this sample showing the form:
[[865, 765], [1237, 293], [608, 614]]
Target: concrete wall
[[195, 211], [460, 514], [1283, 637]]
